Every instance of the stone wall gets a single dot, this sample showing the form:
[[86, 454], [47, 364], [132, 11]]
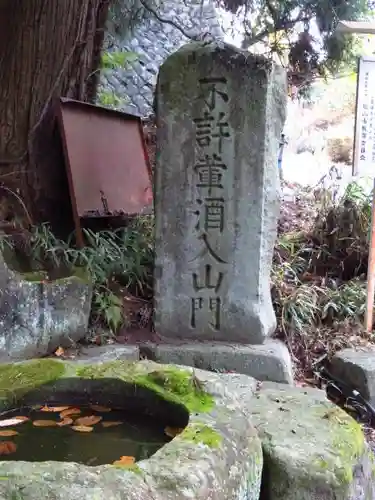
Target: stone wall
[[153, 41]]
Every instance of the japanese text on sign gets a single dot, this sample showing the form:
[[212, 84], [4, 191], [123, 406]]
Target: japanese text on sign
[[211, 132], [364, 149]]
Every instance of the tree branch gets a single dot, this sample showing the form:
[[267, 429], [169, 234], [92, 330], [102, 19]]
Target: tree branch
[[278, 26], [168, 21]]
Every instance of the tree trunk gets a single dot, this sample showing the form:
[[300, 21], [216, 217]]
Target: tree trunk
[[48, 49]]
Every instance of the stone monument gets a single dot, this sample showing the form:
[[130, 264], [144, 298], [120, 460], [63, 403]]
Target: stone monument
[[220, 113]]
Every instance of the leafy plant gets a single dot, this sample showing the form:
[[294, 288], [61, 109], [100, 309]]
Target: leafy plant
[[318, 291], [114, 60], [109, 307], [110, 99], [117, 59], [345, 302], [301, 308]]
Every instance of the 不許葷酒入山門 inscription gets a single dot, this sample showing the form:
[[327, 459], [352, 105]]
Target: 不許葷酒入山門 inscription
[[209, 283], [209, 128], [209, 91], [220, 113], [209, 170], [211, 132], [214, 305], [212, 215]]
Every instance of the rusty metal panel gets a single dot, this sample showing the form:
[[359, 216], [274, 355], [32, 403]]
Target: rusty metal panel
[[107, 163]]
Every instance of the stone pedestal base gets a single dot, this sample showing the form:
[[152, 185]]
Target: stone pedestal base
[[269, 361]]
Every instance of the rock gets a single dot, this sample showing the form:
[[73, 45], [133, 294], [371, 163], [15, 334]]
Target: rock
[[37, 316], [269, 361], [312, 449], [220, 114], [105, 353], [356, 367], [218, 456]]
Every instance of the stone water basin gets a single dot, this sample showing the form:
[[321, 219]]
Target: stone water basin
[[91, 435], [216, 456]]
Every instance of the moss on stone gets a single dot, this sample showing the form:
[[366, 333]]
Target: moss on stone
[[34, 276], [80, 273], [173, 384], [180, 386], [130, 468], [201, 433], [19, 378], [348, 444]]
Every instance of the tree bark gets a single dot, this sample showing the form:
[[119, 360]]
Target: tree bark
[[48, 49]]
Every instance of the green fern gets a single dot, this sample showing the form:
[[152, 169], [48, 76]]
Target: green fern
[[117, 59]]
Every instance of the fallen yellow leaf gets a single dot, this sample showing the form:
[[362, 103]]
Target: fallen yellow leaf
[[111, 424], [88, 421], [70, 411], [54, 409], [82, 428], [125, 461], [8, 433], [45, 423], [7, 447], [100, 409], [65, 421], [172, 431], [59, 352]]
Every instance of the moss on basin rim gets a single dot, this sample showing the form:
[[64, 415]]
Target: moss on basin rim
[[311, 446], [218, 451], [169, 382], [76, 273]]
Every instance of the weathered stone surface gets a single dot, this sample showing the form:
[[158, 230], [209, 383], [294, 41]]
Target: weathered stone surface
[[217, 193], [105, 353], [356, 367], [312, 449], [269, 361], [37, 316], [217, 457]]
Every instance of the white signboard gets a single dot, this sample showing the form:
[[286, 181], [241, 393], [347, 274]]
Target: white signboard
[[364, 144]]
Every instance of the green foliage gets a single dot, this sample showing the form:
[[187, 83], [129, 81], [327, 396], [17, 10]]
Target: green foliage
[[117, 59], [319, 291], [110, 99], [109, 307], [334, 253], [345, 302], [301, 308], [292, 20], [289, 20], [342, 229], [110, 61]]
